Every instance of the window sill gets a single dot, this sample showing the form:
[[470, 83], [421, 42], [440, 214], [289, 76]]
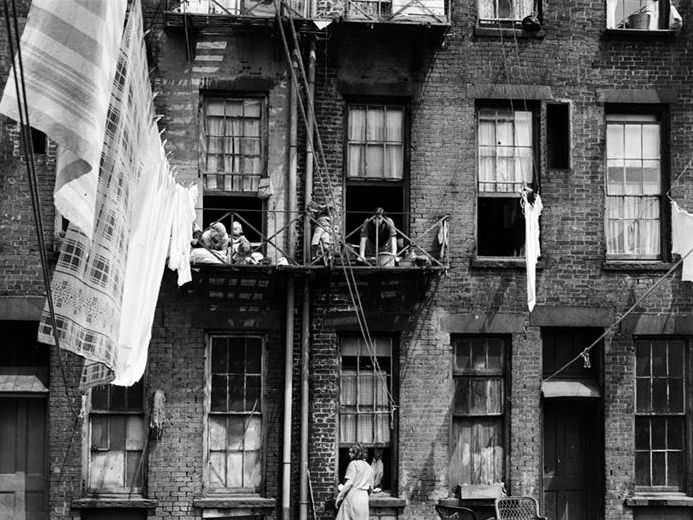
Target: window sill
[[634, 265], [508, 32], [255, 503], [114, 502], [499, 262], [640, 34], [659, 499]]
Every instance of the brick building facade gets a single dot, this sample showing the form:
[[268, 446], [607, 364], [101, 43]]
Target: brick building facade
[[439, 113]]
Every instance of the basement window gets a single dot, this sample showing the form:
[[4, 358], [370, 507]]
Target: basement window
[[506, 166], [116, 439], [366, 406], [375, 164]]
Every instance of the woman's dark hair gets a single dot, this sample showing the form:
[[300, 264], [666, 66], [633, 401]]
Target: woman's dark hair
[[360, 453]]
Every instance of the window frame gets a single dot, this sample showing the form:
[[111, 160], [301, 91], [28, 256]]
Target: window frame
[[512, 106], [403, 183], [687, 415], [505, 376], [391, 468], [87, 445], [660, 114], [230, 491], [509, 23], [225, 96], [663, 18]]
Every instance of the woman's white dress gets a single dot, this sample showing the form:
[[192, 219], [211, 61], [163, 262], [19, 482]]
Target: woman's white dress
[[359, 479]]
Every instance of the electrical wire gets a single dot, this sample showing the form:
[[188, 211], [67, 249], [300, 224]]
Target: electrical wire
[[27, 143]]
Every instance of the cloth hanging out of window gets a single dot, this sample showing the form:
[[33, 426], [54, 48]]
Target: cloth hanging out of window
[[532, 212], [69, 54], [105, 289], [682, 238]]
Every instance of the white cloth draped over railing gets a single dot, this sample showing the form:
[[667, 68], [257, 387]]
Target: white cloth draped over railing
[[106, 283]]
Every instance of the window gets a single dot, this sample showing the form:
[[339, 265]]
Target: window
[[645, 15], [366, 404], [234, 434], [506, 165], [660, 417], [633, 186], [478, 452], [375, 163], [117, 433], [505, 11], [558, 135], [234, 138]]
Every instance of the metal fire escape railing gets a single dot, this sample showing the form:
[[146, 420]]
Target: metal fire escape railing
[[428, 249], [411, 11]]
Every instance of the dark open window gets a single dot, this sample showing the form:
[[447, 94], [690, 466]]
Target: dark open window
[[375, 164], [246, 210], [38, 141], [558, 135], [506, 154]]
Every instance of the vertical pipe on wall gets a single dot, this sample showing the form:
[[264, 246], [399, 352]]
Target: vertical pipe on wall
[[305, 315], [290, 299]]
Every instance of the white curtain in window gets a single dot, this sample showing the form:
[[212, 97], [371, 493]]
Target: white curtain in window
[[215, 143], [491, 9], [357, 135]]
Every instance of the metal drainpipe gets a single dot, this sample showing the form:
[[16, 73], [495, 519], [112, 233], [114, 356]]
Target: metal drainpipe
[[290, 302], [305, 332]]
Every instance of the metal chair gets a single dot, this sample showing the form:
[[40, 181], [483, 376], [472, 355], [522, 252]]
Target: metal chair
[[455, 513], [517, 508]]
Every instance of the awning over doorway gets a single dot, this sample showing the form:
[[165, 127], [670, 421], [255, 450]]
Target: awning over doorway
[[569, 388]]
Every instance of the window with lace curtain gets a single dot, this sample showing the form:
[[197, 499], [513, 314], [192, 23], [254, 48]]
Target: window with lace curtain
[[478, 439], [492, 12], [234, 432], [633, 186], [234, 141], [117, 434], [505, 140], [366, 399]]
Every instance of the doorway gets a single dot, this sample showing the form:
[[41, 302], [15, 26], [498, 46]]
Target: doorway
[[572, 459]]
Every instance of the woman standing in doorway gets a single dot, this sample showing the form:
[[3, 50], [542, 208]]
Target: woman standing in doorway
[[352, 501]]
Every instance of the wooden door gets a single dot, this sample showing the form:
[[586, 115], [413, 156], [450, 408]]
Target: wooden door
[[572, 459], [23, 461]]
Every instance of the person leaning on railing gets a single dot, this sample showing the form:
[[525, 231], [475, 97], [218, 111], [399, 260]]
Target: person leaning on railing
[[378, 235]]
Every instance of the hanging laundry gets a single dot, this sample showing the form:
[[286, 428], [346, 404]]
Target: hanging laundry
[[105, 289], [183, 221], [69, 54], [682, 239], [532, 212]]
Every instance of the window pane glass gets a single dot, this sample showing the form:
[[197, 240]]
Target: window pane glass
[[633, 144], [365, 427], [659, 468], [480, 389], [642, 434], [107, 470], [614, 141], [133, 464], [117, 397], [642, 468], [99, 397], [374, 161], [375, 129], [253, 433], [117, 431], [347, 428], [217, 432], [252, 469], [660, 402], [236, 403], [99, 432], [234, 469], [253, 399], [674, 469], [220, 360], [462, 393], [675, 360], [357, 124], [219, 393], [254, 356], [523, 128], [658, 433], [134, 433], [642, 363], [217, 468], [643, 395], [650, 141], [675, 433], [462, 355], [676, 395], [395, 125], [659, 358]]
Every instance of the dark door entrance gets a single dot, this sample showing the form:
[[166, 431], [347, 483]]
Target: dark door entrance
[[23, 461], [572, 459]]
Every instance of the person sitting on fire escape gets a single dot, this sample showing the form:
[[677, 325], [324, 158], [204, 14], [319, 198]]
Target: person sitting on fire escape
[[378, 236]]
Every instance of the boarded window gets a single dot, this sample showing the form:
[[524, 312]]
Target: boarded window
[[506, 165], [366, 412], [235, 413], [478, 414], [633, 186], [660, 407], [116, 433]]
